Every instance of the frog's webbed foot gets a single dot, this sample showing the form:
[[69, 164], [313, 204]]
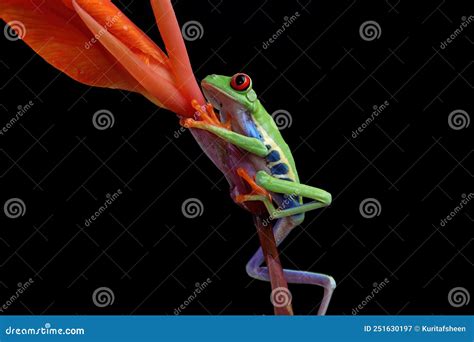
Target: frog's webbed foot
[[258, 193], [204, 116]]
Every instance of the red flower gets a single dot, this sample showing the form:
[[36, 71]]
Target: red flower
[[93, 42]]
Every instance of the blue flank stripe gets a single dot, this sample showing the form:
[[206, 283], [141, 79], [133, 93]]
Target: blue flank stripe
[[251, 129], [273, 156], [279, 169]]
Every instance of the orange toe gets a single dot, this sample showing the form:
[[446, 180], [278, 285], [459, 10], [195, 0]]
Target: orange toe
[[244, 174], [241, 198], [207, 115], [256, 189], [187, 122], [212, 114]]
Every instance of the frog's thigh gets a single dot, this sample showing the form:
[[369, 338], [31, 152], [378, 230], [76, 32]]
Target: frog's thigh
[[286, 187]]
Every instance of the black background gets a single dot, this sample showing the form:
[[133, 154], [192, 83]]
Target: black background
[[328, 78]]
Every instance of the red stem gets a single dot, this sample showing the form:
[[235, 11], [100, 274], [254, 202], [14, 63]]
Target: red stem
[[270, 251]]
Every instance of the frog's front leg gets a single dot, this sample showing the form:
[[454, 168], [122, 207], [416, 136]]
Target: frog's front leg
[[211, 123]]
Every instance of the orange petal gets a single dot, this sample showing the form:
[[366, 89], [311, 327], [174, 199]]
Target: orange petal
[[57, 34], [115, 22], [156, 79], [178, 56]]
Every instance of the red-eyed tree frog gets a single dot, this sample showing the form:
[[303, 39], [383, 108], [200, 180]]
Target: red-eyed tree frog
[[244, 122]]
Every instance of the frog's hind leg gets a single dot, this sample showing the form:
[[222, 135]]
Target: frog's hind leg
[[288, 218], [256, 270], [321, 198]]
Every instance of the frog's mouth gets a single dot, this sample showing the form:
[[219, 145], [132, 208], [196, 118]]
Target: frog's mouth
[[213, 95]]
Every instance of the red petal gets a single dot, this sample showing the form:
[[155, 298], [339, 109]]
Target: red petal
[[156, 79], [115, 22], [57, 34], [178, 56]]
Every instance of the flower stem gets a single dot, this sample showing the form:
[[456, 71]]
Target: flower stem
[[270, 251]]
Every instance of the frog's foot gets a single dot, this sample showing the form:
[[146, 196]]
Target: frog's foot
[[257, 193], [205, 115]]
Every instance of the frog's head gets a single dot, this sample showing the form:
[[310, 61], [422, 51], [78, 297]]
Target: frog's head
[[230, 94]]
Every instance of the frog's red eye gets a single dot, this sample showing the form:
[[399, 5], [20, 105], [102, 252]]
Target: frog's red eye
[[240, 82]]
